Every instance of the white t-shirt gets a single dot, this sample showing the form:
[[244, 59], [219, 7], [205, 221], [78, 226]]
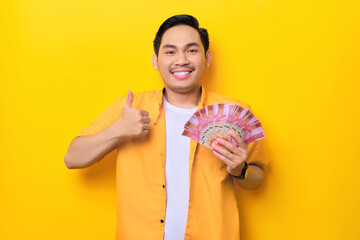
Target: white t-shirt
[[176, 171]]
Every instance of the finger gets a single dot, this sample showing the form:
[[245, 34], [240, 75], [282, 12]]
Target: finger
[[129, 100], [144, 113], [227, 161], [146, 127], [227, 145], [238, 139], [146, 119], [144, 132], [223, 151]]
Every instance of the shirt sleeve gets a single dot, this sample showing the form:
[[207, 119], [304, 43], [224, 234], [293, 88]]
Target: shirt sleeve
[[257, 154], [106, 118]]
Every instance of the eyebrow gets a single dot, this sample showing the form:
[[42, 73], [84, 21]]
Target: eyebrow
[[187, 45]]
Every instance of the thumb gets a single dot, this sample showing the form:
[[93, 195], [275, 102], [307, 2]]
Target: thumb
[[129, 100]]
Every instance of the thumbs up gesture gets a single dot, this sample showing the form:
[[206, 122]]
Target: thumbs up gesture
[[133, 122]]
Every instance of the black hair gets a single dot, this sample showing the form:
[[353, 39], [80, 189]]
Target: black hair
[[181, 20]]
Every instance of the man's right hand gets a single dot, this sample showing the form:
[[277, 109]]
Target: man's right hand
[[86, 150], [133, 122]]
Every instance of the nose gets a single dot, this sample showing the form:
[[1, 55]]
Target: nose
[[182, 59]]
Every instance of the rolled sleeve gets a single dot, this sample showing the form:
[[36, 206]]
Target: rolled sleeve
[[257, 154], [105, 119]]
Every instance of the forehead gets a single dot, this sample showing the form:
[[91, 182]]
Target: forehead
[[180, 35]]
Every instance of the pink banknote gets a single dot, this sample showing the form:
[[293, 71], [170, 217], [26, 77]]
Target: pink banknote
[[215, 121]]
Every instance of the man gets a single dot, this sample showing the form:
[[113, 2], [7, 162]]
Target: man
[[170, 187]]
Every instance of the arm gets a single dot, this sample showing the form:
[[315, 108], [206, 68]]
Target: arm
[[254, 178], [235, 157], [86, 150]]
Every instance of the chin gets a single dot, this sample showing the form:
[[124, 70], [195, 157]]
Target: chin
[[185, 88]]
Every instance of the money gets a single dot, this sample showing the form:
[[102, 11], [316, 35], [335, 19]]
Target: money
[[217, 120]]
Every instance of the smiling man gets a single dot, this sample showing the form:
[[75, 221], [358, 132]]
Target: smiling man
[[169, 187], [181, 59]]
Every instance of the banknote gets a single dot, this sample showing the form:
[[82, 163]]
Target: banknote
[[217, 120]]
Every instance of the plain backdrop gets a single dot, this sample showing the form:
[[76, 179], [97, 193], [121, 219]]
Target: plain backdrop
[[295, 62]]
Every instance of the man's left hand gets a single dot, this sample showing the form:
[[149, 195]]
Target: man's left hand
[[234, 157]]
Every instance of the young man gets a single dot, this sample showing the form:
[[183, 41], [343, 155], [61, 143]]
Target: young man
[[170, 187]]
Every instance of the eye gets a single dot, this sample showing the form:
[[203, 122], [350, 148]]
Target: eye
[[193, 50], [170, 52]]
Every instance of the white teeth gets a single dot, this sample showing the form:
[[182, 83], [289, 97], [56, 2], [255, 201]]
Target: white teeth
[[180, 73]]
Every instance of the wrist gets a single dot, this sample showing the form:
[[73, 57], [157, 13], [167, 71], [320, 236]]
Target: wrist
[[244, 172], [119, 130]]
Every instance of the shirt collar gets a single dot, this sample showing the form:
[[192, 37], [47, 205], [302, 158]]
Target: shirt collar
[[160, 95]]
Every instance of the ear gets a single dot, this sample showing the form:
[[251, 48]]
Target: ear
[[154, 61], [208, 58]]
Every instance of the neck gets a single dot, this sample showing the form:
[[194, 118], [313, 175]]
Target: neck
[[183, 100]]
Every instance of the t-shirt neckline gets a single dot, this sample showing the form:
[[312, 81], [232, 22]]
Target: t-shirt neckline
[[178, 109]]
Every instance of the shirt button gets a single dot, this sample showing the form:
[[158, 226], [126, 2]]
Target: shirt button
[[160, 154], [163, 186], [162, 221], [154, 123]]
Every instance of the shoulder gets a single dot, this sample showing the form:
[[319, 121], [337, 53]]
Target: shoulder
[[213, 98], [147, 97], [139, 98], [148, 94], [142, 100]]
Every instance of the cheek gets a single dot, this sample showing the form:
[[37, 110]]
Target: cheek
[[163, 68], [200, 69], [163, 62], [200, 62]]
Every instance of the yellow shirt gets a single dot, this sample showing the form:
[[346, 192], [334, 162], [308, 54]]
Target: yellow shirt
[[140, 176]]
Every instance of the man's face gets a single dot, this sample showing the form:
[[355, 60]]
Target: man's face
[[181, 59]]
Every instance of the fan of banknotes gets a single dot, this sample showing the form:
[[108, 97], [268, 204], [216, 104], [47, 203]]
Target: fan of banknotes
[[215, 121]]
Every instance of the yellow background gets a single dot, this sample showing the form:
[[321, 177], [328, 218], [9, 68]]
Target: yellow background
[[295, 62]]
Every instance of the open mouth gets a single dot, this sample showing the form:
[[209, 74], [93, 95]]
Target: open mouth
[[181, 75]]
